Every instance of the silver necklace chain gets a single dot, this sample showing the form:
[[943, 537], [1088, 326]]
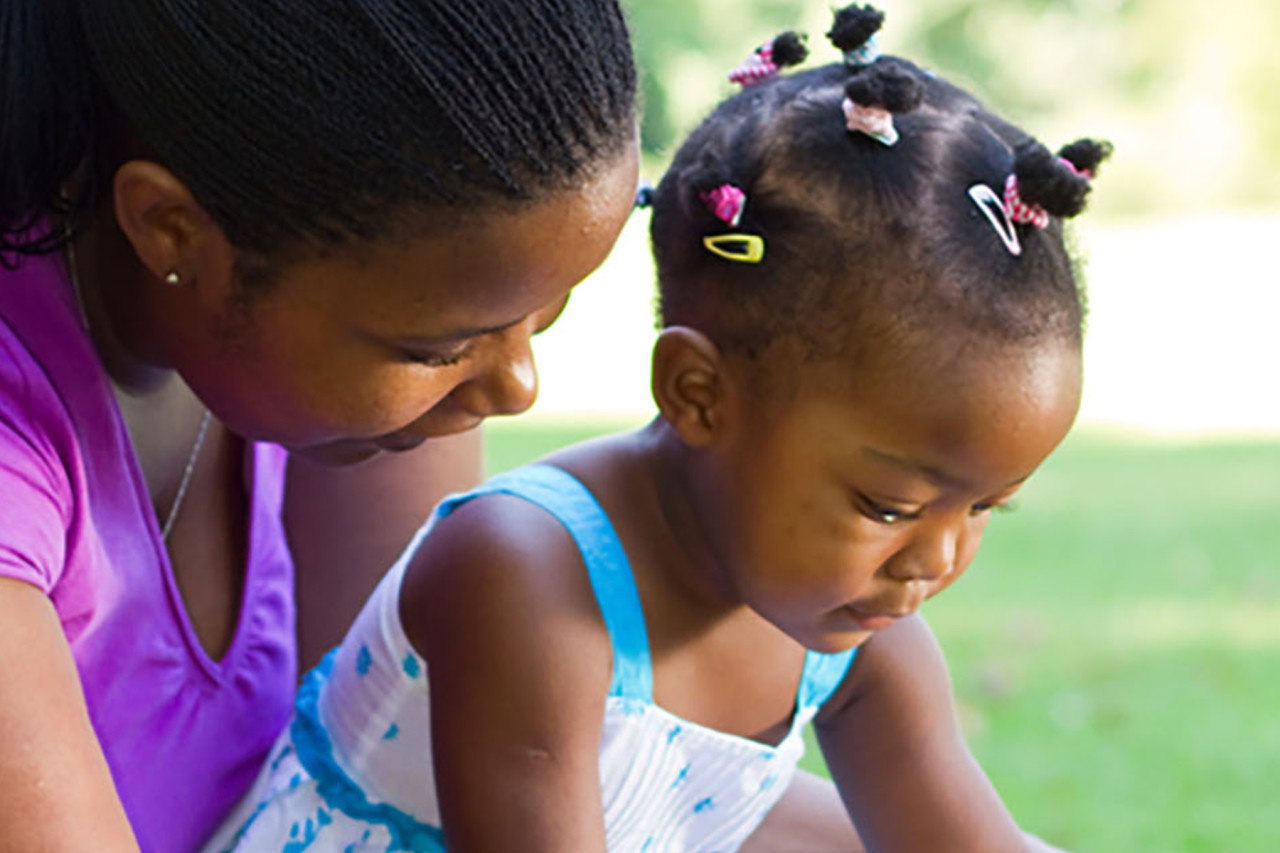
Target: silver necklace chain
[[189, 471]]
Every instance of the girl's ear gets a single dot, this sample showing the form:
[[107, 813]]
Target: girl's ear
[[689, 384], [170, 232]]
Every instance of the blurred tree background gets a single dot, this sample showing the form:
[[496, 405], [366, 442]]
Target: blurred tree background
[[1185, 89]]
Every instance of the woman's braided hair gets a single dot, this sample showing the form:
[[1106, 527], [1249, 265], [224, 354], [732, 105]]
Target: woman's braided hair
[[867, 243], [311, 121]]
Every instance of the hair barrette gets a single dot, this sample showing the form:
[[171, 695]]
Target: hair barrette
[[876, 122], [727, 203], [993, 208], [740, 248], [770, 58], [1019, 210]]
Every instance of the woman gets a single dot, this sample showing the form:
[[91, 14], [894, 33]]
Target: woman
[[235, 230]]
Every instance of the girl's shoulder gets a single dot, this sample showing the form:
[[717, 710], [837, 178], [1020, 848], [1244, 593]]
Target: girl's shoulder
[[509, 558]]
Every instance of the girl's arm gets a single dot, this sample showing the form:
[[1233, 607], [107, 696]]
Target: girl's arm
[[892, 742], [347, 525], [810, 818], [56, 793], [498, 602]]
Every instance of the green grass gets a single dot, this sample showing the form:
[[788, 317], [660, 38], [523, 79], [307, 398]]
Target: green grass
[[1116, 645]]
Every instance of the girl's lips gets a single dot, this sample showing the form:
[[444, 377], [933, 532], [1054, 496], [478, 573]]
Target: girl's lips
[[874, 621]]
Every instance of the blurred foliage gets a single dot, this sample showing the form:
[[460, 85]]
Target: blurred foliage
[[1185, 90]]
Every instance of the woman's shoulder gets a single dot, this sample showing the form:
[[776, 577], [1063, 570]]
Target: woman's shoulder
[[47, 361]]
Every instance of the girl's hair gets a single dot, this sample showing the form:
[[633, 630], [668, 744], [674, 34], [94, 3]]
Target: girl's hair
[[311, 121], [866, 242]]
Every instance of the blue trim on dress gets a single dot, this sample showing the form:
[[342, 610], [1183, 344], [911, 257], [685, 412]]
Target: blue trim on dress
[[572, 504], [315, 753]]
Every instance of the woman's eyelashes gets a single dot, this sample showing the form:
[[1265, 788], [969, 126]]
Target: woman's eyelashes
[[439, 359]]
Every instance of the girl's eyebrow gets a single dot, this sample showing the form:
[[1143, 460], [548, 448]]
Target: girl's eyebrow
[[932, 473]]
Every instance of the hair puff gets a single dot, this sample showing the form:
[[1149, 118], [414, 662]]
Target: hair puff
[[790, 48], [889, 87], [854, 25]]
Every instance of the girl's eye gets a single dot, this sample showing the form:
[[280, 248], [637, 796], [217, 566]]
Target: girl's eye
[[985, 507], [886, 514]]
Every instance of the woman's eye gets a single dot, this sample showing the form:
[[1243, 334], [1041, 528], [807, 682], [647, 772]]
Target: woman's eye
[[437, 359]]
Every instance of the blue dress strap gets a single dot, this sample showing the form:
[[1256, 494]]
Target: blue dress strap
[[823, 673], [568, 500]]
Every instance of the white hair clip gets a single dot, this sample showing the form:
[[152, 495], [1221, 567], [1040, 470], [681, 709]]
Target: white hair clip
[[993, 207]]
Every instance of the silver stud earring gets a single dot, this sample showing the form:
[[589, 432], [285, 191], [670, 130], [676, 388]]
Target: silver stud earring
[[173, 279]]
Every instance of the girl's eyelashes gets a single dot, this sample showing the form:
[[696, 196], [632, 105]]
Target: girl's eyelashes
[[882, 514], [992, 506]]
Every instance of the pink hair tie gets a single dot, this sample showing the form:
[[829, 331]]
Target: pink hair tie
[[875, 122], [756, 68], [1020, 211], [727, 202], [769, 59], [1084, 173]]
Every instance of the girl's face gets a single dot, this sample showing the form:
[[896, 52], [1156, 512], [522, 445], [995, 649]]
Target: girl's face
[[380, 349], [841, 512]]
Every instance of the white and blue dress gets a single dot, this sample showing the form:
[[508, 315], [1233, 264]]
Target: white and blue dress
[[353, 772]]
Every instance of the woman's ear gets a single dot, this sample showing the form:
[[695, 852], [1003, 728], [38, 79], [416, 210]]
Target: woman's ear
[[689, 384], [174, 238]]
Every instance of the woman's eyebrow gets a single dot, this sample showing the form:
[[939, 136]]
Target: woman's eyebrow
[[456, 335]]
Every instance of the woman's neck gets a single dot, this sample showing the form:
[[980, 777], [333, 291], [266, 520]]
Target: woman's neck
[[112, 294]]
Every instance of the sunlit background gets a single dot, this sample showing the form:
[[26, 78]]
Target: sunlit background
[[1116, 649]]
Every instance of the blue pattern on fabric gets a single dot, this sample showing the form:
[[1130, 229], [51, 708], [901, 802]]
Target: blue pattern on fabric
[[364, 660], [704, 805], [411, 666], [339, 791], [393, 732], [682, 775]]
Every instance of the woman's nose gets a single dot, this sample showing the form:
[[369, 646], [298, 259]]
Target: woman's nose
[[507, 382], [929, 557]]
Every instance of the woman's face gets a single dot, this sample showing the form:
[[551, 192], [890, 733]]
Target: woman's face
[[383, 347]]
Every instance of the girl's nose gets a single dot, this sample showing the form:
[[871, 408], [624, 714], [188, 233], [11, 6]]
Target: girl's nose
[[507, 383], [929, 557]]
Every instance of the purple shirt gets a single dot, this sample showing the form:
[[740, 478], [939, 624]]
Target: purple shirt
[[184, 735]]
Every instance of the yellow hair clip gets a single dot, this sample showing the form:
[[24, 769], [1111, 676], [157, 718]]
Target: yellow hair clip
[[739, 248]]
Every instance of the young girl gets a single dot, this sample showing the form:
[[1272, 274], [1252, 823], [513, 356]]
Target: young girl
[[872, 339]]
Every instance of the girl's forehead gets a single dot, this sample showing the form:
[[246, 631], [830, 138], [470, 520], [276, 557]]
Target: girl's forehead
[[982, 414]]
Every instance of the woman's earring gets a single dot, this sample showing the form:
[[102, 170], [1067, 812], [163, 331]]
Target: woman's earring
[[173, 279]]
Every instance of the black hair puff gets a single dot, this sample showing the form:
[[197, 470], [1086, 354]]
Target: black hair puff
[[1086, 154], [1044, 180], [790, 49], [854, 25], [886, 86]]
